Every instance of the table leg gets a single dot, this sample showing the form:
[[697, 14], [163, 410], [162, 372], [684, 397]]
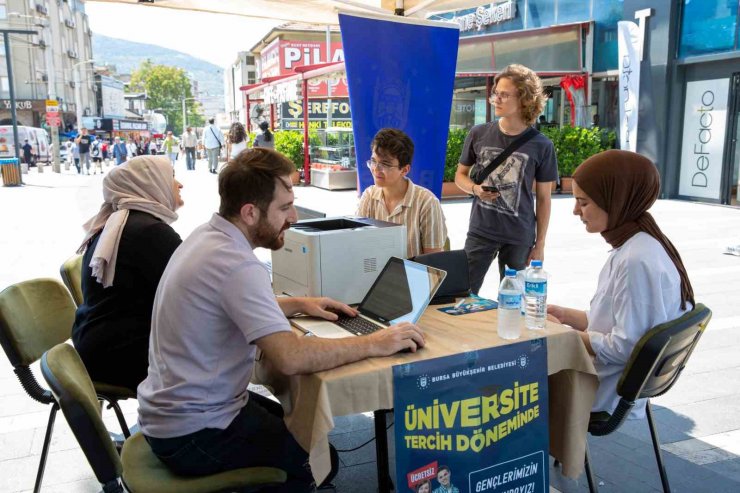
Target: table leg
[[385, 483]]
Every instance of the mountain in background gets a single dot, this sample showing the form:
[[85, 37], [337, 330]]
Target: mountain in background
[[128, 55]]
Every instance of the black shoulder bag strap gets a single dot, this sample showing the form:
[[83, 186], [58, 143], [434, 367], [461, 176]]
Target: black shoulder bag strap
[[214, 134], [523, 139]]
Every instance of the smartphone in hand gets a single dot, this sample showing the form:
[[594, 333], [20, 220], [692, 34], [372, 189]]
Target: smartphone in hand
[[490, 188]]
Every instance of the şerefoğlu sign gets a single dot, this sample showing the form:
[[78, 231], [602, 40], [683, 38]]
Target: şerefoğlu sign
[[291, 114], [705, 119]]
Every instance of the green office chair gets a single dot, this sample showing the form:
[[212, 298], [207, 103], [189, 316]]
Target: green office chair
[[654, 366], [34, 316], [71, 272], [138, 467]]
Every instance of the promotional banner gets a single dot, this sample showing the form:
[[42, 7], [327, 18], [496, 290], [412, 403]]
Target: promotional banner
[[704, 121], [473, 422], [405, 81], [575, 91], [629, 44]]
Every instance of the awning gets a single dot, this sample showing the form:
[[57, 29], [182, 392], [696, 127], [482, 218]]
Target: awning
[[310, 11]]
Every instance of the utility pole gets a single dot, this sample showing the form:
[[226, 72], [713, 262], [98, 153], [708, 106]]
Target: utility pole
[[184, 116], [11, 90]]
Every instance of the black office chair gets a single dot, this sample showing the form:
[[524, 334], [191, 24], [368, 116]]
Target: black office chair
[[457, 282], [654, 366]]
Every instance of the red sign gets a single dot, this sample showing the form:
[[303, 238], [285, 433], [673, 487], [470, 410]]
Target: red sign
[[53, 119], [282, 57], [424, 473]]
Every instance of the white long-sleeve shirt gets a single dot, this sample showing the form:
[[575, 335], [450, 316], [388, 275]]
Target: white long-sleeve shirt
[[212, 137], [639, 288]]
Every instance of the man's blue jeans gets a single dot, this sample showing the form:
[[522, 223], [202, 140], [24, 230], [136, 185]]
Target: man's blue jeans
[[190, 157]]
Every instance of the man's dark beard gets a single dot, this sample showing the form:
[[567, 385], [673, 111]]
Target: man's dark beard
[[266, 237]]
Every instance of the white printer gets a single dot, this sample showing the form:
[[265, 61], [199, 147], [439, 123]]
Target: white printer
[[339, 257]]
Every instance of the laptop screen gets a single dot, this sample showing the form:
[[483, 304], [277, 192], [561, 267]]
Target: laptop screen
[[401, 292]]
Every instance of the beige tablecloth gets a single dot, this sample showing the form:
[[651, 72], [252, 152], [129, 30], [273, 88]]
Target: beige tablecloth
[[311, 401]]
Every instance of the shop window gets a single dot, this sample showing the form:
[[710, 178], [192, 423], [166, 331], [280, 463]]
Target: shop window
[[541, 13], [547, 52], [573, 11], [708, 26], [475, 57]]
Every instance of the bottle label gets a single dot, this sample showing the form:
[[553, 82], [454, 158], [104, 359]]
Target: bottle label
[[509, 301], [536, 287]]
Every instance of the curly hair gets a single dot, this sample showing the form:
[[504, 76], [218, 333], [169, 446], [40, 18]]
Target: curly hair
[[529, 86], [237, 133]]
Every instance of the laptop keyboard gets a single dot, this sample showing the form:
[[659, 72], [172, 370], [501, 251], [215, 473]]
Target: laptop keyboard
[[357, 325]]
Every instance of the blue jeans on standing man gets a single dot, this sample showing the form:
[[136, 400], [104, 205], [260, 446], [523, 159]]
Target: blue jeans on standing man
[[190, 157]]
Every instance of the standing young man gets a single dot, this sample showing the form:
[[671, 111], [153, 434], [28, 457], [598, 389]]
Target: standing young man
[[503, 220], [213, 308], [395, 198], [213, 139]]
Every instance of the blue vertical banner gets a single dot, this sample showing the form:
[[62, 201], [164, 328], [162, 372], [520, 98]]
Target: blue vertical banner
[[400, 74], [474, 422]]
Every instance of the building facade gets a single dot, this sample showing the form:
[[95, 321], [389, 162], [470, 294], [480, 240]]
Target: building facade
[[241, 73], [55, 63]]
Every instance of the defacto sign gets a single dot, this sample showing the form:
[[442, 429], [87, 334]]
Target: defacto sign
[[704, 123], [628, 43], [487, 15]]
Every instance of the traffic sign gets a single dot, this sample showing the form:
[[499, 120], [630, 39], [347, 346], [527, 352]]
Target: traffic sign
[[53, 119], [52, 106]]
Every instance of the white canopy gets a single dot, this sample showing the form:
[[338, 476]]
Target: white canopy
[[309, 11]]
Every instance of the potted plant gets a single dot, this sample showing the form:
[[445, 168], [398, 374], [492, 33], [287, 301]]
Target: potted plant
[[573, 145], [455, 141], [290, 144]]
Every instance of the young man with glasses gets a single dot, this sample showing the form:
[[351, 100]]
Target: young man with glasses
[[504, 220], [395, 198]]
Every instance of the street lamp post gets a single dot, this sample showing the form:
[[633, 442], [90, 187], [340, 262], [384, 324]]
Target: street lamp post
[[185, 113], [11, 89], [78, 93], [51, 82]]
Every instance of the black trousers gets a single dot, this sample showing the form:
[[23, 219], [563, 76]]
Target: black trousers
[[482, 251], [256, 437]]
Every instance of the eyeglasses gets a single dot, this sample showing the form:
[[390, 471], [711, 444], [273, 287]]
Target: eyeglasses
[[380, 166], [503, 96]]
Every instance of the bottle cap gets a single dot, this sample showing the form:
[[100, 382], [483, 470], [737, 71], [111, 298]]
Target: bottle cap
[[536, 263], [510, 272]]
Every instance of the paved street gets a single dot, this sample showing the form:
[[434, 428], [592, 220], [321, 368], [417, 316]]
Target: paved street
[[698, 420]]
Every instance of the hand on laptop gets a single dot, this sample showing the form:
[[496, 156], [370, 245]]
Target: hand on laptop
[[326, 308], [400, 337]]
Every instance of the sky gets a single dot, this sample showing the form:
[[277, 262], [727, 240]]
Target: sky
[[211, 37]]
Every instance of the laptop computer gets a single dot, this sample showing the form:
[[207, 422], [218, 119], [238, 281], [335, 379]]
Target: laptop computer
[[401, 293]]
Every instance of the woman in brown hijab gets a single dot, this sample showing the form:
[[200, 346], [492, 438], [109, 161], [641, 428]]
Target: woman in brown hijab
[[643, 283]]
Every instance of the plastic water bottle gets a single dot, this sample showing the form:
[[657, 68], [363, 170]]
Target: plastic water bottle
[[521, 276], [509, 303], [535, 296]]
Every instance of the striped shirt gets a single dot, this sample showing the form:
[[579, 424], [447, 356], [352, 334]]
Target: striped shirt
[[420, 211]]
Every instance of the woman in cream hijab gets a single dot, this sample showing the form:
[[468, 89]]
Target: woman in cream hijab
[[643, 283], [126, 248]]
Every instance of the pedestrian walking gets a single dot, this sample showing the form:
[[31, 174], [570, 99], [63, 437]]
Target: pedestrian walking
[[237, 139], [265, 139], [213, 140], [120, 152], [83, 141], [27, 153], [170, 147], [189, 141]]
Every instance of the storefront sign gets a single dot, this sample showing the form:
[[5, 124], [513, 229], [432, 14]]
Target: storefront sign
[[132, 125], [282, 57], [317, 109], [629, 43], [473, 422], [24, 104], [487, 15], [705, 119]]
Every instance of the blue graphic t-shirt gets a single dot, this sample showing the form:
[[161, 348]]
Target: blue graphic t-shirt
[[510, 219]]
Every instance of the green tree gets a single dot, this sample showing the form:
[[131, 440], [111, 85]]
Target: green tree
[[166, 87]]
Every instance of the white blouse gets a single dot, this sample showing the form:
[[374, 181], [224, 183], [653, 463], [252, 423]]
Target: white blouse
[[237, 148], [639, 288]]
